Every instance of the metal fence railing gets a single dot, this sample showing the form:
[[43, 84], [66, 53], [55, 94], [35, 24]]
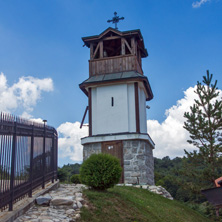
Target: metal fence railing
[[28, 158]]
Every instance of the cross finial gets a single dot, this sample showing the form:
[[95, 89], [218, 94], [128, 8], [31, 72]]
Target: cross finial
[[115, 19]]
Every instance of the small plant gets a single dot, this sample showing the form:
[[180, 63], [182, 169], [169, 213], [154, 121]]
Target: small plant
[[75, 179], [100, 171]]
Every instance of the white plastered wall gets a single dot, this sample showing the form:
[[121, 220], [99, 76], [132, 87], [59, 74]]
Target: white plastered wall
[[120, 117]]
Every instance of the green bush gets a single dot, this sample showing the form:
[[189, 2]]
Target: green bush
[[62, 175], [75, 178], [100, 171]]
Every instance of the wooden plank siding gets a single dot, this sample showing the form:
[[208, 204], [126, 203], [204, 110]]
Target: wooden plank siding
[[114, 64]]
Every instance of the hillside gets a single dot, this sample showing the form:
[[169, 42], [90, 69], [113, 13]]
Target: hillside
[[137, 205]]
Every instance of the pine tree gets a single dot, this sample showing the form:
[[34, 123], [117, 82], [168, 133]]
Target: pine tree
[[204, 124]]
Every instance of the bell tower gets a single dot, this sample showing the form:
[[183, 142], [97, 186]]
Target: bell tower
[[117, 91]]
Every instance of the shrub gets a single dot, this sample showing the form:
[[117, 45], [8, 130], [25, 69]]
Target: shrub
[[100, 171], [62, 175], [75, 178]]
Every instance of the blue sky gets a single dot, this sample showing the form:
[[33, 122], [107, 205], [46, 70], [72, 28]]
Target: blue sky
[[42, 39]]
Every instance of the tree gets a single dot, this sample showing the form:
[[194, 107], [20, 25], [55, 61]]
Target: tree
[[204, 123]]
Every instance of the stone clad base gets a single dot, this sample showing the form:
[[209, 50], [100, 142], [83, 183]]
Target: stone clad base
[[138, 160]]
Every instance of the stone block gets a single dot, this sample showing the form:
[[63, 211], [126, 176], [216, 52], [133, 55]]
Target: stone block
[[43, 200], [135, 143], [128, 156], [127, 174], [128, 168], [128, 185], [130, 180], [79, 204], [142, 167], [57, 201], [70, 212], [140, 157], [135, 150], [135, 174], [136, 168], [126, 162], [78, 194]]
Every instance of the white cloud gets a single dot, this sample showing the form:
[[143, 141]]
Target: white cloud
[[169, 136], [69, 141], [23, 94], [197, 4]]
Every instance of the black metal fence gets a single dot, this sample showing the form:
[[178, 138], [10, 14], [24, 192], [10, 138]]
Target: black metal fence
[[28, 158]]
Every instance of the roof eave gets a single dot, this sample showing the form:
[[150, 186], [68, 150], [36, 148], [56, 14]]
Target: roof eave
[[144, 79]]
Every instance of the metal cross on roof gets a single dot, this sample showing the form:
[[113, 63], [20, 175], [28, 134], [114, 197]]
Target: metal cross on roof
[[115, 19]]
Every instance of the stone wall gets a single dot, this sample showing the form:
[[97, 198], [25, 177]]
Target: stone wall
[[89, 149], [138, 160]]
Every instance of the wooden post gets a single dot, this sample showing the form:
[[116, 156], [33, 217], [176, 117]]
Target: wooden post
[[133, 45], [101, 49], [12, 177], [136, 88], [123, 50], [91, 51], [90, 111], [31, 162]]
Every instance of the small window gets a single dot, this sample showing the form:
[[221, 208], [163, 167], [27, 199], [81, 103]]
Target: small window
[[112, 101]]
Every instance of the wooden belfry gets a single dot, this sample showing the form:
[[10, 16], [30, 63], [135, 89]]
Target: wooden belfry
[[117, 92]]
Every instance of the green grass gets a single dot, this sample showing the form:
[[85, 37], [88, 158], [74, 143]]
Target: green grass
[[121, 204]]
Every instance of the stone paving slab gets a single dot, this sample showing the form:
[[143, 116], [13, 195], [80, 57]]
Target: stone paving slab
[[20, 207], [64, 206]]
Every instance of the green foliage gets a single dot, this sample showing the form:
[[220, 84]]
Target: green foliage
[[75, 179], [173, 175], [67, 171], [100, 171], [204, 123], [62, 175], [168, 175]]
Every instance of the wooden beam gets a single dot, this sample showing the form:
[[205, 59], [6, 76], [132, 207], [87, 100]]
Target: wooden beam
[[128, 47], [101, 49], [133, 45], [111, 38], [136, 89], [123, 50], [97, 47], [90, 111], [84, 116], [91, 50]]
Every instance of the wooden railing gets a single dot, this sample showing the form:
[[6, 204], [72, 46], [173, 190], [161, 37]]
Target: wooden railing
[[114, 64], [28, 158]]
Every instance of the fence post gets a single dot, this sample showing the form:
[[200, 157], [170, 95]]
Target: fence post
[[31, 162], [43, 156], [12, 176], [52, 156], [56, 157]]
